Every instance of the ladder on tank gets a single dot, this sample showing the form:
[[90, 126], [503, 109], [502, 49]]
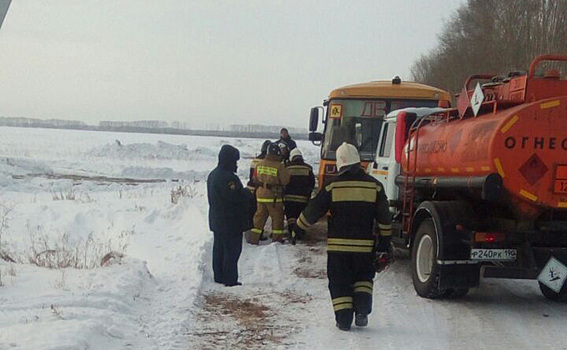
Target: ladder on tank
[[408, 196]]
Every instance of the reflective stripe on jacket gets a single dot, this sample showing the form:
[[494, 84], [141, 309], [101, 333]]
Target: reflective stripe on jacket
[[272, 176], [301, 183], [355, 200]]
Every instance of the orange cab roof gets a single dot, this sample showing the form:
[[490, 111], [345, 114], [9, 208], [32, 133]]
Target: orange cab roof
[[386, 89]]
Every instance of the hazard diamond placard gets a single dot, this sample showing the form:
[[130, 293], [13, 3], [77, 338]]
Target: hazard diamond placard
[[476, 99], [553, 275]]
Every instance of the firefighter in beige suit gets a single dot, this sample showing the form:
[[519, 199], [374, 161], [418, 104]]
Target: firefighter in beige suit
[[271, 177]]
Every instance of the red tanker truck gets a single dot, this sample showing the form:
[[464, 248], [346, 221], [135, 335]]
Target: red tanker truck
[[481, 189]]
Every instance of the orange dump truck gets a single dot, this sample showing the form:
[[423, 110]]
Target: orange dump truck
[[481, 190]]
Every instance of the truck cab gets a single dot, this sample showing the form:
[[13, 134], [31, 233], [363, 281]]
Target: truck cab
[[387, 162]]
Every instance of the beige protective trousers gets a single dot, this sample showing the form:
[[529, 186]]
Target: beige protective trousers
[[276, 212]]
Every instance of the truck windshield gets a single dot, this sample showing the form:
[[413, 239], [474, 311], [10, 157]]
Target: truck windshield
[[359, 122]]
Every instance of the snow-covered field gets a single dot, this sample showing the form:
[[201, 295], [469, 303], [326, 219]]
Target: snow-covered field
[[97, 255]]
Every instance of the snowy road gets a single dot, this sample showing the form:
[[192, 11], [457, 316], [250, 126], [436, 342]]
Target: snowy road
[[499, 314], [161, 295]]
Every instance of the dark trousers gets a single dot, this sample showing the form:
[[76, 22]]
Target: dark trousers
[[226, 251], [292, 212], [351, 278]]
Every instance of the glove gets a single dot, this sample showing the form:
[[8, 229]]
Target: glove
[[384, 254], [382, 261]]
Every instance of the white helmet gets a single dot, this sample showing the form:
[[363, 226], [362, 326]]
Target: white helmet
[[347, 155], [295, 153]]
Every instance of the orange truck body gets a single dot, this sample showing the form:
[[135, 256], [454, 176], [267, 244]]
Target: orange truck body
[[481, 190], [520, 133]]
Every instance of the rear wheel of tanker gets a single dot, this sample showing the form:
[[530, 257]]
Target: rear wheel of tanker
[[425, 270], [553, 295]]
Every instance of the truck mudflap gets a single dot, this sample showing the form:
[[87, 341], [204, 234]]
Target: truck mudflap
[[459, 276]]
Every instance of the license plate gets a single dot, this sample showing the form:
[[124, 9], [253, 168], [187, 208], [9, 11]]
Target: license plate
[[494, 254]]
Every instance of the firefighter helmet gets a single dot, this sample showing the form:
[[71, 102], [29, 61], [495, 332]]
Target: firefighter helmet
[[347, 154], [274, 150], [295, 153]]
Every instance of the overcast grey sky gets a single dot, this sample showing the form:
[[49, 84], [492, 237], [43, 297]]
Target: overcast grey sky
[[204, 62]]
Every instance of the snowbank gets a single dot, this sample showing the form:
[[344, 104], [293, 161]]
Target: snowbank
[[134, 301], [161, 150], [25, 151], [58, 230], [64, 211], [73, 309]]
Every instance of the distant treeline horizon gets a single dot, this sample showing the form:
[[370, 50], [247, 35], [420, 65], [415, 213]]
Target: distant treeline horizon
[[155, 127]]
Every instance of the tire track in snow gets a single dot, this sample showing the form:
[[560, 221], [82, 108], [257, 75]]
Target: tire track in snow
[[499, 314], [269, 281]]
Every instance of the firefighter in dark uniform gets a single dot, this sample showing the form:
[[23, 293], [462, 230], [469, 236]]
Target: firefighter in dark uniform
[[355, 201], [263, 151], [271, 177], [231, 207], [298, 191]]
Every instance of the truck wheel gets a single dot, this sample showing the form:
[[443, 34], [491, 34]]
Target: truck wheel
[[425, 270], [551, 294]]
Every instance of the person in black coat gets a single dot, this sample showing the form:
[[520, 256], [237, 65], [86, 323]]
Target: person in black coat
[[231, 208], [285, 138], [286, 144]]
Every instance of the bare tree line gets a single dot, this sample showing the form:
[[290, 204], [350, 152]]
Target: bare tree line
[[494, 36]]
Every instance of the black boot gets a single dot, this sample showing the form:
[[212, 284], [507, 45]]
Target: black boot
[[361, 320], [233, 284]]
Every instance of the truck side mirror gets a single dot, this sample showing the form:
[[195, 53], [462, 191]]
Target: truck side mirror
[[314, 119]]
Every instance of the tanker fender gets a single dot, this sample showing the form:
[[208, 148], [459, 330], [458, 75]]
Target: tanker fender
[[453, 241]]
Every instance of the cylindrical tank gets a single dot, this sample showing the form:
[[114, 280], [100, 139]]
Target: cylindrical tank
[[526, 145]]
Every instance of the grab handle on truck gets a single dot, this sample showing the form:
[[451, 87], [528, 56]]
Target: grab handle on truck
[[478, 77], [541, 58]]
